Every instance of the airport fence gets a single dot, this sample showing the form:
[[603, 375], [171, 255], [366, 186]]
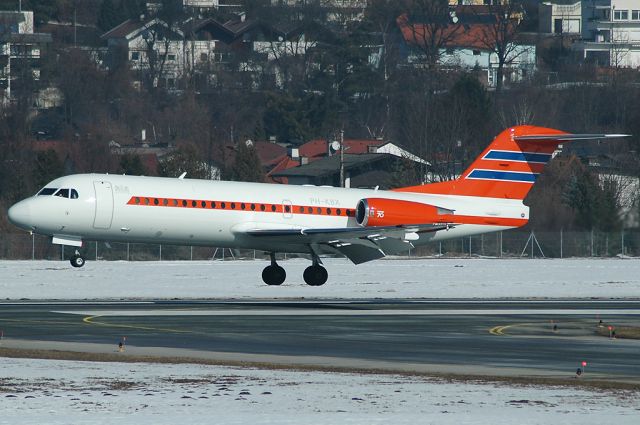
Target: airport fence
[[512, 243]]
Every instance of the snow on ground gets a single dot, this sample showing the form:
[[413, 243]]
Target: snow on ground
[[390, 278], [63, 392]]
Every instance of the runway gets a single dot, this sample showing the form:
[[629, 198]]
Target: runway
[[449, 336]]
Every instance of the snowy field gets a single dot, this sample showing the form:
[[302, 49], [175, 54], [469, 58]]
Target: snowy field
[[424, 278], [66, 392]]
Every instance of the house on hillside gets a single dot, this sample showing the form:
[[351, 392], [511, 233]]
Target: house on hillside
[[153, 48], [367, 163], [468, 44], [203, 47]]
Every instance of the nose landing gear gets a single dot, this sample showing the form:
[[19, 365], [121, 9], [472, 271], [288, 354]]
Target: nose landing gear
[[273, 274], [77, 260]]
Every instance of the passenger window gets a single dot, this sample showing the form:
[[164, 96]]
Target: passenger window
[[63, 193], [47, 191], [74, 194]]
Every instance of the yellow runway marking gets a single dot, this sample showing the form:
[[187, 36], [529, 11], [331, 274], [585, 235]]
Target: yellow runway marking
[[499, 330], [90, 321]]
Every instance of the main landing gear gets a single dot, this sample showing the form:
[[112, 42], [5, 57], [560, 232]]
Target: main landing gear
[[77, 260], [314, 275], [273, 274]]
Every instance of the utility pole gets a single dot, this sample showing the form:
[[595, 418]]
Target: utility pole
[[75, 25], [341, 158]]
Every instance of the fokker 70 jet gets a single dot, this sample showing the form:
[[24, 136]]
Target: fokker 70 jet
[[360, 224]]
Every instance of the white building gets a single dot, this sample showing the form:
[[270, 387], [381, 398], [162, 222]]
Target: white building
[[560, 17], [20, 50], [611, 33], [152, 49]]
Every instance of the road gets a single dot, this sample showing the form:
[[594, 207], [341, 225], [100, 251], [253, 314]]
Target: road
[[470, 337]]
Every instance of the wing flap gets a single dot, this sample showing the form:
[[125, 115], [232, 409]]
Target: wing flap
[[357, 252]]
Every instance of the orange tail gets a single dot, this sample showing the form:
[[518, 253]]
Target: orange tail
[[508, 167]]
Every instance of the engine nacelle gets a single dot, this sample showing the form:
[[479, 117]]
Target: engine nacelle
[[395, 212]]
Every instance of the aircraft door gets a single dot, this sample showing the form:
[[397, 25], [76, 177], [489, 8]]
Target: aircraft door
[[104, 204]]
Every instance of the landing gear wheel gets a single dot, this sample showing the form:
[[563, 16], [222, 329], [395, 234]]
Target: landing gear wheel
[[315, 275], [77, 261], [274, 275]]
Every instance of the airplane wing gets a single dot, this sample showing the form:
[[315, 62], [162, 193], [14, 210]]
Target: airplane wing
[[359, 244]]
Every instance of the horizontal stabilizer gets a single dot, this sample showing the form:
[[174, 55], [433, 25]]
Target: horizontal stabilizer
[[567, 137]]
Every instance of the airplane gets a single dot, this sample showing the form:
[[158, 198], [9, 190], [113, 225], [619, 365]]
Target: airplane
[[361, 224]]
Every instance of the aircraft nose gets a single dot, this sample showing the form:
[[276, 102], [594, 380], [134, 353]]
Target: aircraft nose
[[20, 215]]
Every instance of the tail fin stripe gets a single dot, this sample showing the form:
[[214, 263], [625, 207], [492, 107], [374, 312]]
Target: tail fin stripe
[[533, 157], [511, 176]]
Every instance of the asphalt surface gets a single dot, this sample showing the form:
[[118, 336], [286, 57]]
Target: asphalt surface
[[452, 335]]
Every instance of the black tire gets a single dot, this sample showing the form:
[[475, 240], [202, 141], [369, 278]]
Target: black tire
[[274, 275], [77, 261], [315, 275]]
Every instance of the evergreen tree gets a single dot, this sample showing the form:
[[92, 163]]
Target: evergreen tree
[[246, 166], [132, 165], [109, 16], [184, 159], [47, 167]]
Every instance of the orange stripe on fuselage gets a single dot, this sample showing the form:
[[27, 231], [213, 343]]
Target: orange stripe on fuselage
[[146, 201]]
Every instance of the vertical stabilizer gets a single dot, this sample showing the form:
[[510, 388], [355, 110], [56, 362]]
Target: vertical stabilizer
[[509, 166]]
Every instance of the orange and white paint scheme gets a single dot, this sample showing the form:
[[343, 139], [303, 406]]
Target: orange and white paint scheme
[[360, 224]]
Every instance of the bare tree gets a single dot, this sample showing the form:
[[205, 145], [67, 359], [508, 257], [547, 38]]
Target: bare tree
[[160, 40], [500, 36], [429, 27]]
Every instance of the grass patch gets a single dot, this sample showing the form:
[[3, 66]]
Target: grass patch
[[624, 332], [526, 381]]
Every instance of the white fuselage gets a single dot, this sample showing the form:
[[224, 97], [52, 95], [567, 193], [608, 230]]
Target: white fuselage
[[162, 210]]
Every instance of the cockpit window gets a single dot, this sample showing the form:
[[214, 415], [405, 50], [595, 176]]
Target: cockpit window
[[47, 191], [63, 193], [74, 194]]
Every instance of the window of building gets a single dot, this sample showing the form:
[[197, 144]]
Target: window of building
[[620, 15], [135, 56], [204, 57], [476, 53], [635, 15], [171, 57]]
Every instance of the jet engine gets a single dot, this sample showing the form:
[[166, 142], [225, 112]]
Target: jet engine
[[395, 212]]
